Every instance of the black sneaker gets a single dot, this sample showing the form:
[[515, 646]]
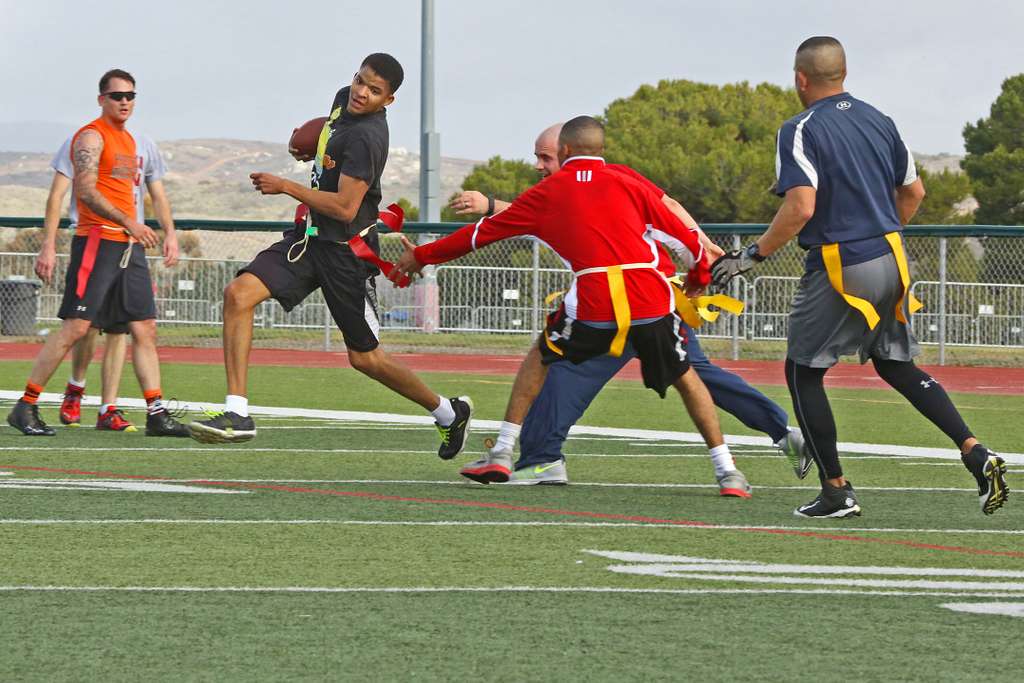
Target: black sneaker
[[161, 423], [222, 428], [831, 502], [25, 418], [989, 472], [453, 437]]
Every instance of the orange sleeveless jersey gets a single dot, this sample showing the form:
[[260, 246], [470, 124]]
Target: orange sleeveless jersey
[[120, 172]]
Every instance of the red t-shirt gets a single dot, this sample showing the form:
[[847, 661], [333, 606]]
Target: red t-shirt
[[593, 216]]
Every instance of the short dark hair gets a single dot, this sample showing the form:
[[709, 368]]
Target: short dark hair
[[822, 59], [387, 67], [819, 41], [115, 73], [584, 135]]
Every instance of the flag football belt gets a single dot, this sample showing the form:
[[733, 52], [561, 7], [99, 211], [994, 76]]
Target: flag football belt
[[92, 247], [393, 217], [620, 302], [834, 268], [695, 310]]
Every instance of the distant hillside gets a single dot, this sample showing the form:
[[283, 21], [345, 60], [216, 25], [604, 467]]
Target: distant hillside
[[210, 178], [936, 163]]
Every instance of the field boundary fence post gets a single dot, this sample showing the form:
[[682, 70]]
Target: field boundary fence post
[[327, 328], [736, 244], [535, 315], [942, 300]]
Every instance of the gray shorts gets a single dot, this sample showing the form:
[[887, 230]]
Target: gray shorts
[[823, 327]]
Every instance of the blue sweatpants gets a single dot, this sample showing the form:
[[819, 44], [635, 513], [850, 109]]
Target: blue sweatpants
[[569, 389]]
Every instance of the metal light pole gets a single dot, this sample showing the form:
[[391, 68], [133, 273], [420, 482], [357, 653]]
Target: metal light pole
[[427, 295], [430, 140]]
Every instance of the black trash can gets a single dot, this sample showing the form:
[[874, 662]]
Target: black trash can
[[19, 301]]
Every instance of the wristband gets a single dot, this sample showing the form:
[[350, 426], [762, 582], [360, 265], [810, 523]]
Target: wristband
[[754, 252], [490, 205]]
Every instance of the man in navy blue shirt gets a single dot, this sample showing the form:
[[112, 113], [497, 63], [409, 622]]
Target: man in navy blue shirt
[[850, 184]]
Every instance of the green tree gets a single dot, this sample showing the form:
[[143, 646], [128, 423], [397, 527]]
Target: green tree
[[503, 179], [995, 157], [942, 202], [412, 213], [710, 147]]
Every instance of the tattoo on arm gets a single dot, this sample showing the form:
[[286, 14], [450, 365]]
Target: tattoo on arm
[[87, 154], [86, 157]]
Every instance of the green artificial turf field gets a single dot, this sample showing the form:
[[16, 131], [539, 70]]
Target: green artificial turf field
[[332, 548]]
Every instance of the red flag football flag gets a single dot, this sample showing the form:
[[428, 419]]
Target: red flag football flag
[[361, 249], [393, 217]]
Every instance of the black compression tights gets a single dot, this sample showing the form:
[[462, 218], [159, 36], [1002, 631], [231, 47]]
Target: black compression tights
[[807, 387], [925, 394]]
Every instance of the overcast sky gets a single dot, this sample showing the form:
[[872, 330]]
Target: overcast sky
[[504, 70]]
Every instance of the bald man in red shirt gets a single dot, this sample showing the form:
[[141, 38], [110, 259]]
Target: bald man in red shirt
[[602, 222]]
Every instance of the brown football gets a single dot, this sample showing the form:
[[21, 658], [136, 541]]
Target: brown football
[[305, 138]]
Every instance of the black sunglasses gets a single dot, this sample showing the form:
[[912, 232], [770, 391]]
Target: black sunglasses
[[117, 96]]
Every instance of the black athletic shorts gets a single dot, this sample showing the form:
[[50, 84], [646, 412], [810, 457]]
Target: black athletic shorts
[[347, 283], [660, 346], [113, 296]]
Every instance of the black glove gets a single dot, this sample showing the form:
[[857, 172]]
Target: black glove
[[733, 263]]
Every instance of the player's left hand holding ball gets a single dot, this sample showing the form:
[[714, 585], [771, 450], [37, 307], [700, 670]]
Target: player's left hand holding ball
[[265, 183], [734, 263]]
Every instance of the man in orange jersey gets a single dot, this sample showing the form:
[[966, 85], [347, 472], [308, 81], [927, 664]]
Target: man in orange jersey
[[107, 280]]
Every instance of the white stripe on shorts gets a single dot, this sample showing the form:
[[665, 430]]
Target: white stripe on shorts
[[371, 318]]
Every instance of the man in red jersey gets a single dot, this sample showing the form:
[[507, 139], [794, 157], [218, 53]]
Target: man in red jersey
[[542, 408], [602, 222]]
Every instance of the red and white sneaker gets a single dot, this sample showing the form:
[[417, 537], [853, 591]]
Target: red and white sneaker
[[493, 468], [114, 421], [734, 484], [71, 409]]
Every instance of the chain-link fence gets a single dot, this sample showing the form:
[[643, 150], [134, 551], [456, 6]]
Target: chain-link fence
[[970, 278]]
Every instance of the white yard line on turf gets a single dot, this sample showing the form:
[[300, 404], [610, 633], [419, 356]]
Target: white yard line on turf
[[889, 450], [471, 523], [468, 484], [374, 451], [492, 589], [392, 428]]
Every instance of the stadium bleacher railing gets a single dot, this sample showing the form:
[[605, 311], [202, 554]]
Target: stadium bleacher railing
[[970, 277]]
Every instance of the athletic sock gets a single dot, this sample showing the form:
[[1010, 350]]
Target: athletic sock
[[239, 405], [32, 392], [107, 407], [507, 435], [154, 401], [926, 395], [74, 386], [444, 413], [721, 458], [813, 412]]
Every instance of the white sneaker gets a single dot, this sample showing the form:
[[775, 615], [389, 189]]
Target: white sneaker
[[734, 484], [493, 468], [793, 447], [549, 473]]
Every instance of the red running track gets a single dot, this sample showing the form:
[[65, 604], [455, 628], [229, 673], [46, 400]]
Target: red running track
[[981, 380]]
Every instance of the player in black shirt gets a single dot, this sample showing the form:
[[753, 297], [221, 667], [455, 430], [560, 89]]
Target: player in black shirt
[[343, 200]]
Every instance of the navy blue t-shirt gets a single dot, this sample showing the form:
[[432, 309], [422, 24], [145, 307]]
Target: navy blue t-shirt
[[854, 157]]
